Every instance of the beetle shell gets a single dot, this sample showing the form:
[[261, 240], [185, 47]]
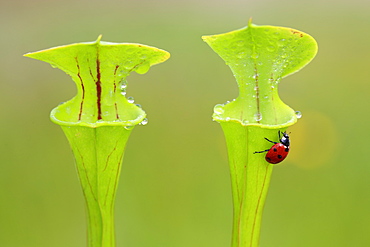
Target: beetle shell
[[277, 153]]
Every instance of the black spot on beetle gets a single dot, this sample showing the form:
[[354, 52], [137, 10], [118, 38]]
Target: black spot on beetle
[[268, 158], [279, 156], [275, 150], [286, 149]]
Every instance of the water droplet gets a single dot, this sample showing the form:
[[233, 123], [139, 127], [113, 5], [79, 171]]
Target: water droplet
[[143, 68], [138, 105], [227, 119], [254, 55], [218, 109], [130, 99], [271, 48], [255, 76], [123, 85], [240, 55], [128, 65], [130, 127], [217, 117], [144, 122], [123, 93], [281, 42], [298, 114], [245, 122], [258, 116], [255, 88]]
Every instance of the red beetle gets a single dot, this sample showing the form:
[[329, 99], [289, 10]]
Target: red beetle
[[279, 151]]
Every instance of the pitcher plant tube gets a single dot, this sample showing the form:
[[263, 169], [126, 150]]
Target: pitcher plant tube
[[259, 57], [99, 119]]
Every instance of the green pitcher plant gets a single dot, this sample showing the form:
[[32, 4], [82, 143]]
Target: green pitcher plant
[[259, 57], [99, 119]]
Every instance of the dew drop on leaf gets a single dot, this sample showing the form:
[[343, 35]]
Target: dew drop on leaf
[[258, 116], [254, 55], [218, 109], [298, 114], [144, 122], [128, 65], [123, 86], [271, 48], [131, 99], [240, 55], [143, 68], [281, 42]]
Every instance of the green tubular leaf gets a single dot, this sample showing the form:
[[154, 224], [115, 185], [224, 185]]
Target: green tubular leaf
[[98, 153], [250, 178], [99, 119], [99, 70], [259, 57]]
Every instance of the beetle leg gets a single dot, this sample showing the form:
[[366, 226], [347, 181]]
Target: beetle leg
[[257, 152], [270, 140]]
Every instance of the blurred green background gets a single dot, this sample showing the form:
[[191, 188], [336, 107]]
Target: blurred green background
[[174, 188]]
